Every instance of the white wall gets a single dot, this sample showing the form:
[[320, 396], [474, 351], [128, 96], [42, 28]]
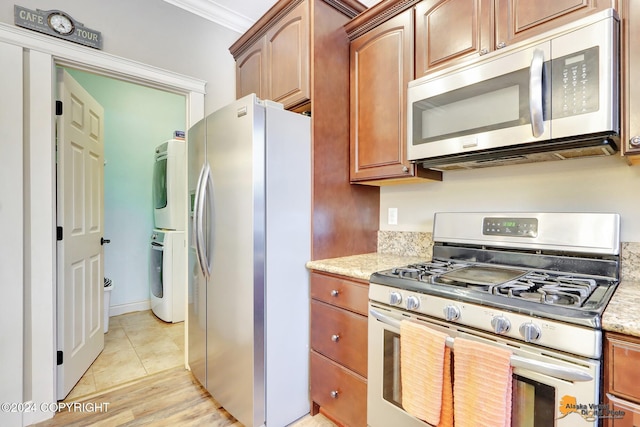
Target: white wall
[[582, 185], [155, 33], [11, 224]]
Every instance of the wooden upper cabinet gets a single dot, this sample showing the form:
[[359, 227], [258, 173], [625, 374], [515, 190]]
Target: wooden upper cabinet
[[272, 58], [251, 71], [288, 53], [381, 66], [630, 67], [517, 20], [451, 30]]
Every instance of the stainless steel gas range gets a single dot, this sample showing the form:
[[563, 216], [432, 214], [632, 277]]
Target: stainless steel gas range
[[534, 283]]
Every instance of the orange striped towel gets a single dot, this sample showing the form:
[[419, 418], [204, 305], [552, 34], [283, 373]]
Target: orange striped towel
[[422, 360], [482, 384]]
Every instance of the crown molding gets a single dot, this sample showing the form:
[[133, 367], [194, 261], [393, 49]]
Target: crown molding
[[97, 61], [215, 12]]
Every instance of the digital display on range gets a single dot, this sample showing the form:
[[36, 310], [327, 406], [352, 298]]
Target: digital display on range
[[517, 227]]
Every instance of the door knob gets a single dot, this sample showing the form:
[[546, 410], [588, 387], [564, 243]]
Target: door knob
[[103, 241]]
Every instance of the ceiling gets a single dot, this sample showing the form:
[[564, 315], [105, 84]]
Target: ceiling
[[237, 15]]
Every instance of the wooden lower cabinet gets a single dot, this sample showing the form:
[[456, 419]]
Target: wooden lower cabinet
[[622, 379], [339, 348], [340, 393]]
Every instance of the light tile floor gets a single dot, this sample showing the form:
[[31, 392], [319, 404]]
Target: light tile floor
[[139, 344]]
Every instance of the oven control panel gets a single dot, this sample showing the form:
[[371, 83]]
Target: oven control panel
[[522, 327], [519, 227]]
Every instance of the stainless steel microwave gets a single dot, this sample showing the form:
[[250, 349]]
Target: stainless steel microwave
[[552, 97]]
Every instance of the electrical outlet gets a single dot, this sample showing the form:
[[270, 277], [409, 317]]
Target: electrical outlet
[[392, 218]]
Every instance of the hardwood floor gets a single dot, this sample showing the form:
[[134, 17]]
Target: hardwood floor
[[138, 380], [170, 398]]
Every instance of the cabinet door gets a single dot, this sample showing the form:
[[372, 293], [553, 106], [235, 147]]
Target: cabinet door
[[381, 66], [288, 51], [631, 85], [518, 20], [448, 31], [251, 71]]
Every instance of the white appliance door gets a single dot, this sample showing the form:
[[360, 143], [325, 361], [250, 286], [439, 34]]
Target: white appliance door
[[197, 285], [544, 381], [236, 230]]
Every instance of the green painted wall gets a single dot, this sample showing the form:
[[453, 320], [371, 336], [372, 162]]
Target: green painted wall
[[137, 119]]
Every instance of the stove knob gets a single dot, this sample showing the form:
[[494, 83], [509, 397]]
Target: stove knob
[[395, 298], [501, 324], [413, 303], [451, 313], [530, 331]]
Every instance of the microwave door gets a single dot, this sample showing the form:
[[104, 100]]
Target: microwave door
[[496, 103], [584, 80]]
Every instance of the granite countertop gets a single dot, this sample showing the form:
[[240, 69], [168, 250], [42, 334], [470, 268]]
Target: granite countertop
[[362, 266], [621, 315]]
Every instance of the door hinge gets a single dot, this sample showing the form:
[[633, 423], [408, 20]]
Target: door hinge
[[58, 108], [58, 233], [59, 357]]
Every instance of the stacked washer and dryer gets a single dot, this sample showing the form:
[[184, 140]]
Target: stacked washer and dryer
[[168, 240]]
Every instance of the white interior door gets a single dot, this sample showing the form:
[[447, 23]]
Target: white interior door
[[80, 198]]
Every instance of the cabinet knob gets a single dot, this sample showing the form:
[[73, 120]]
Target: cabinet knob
[[334, 394], [405, 169], [484, 51], [335, 337], [334, 293], [635, 141], [501, 45]]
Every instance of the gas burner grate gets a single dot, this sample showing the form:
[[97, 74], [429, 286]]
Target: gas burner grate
[[424, 271], [548, 289]]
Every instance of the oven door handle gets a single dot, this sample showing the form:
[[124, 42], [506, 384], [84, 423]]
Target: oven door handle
[[549, 369]]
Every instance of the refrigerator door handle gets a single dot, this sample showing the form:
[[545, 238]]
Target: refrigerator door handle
[[207, 196], [198, 233]]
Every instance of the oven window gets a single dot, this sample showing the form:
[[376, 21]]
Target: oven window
[[391, 386], [533, 403]]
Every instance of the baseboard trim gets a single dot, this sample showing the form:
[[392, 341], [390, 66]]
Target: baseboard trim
[[116, 310]]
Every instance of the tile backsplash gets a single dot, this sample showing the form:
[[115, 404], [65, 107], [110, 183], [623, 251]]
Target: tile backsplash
[[420, 244]]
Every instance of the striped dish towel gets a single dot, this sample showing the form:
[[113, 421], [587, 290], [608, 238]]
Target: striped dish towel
[[422, 367], [482, 384]]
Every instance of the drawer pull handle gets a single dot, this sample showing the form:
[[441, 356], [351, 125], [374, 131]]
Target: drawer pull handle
[[335, 338], [334, 394], [334, 293]]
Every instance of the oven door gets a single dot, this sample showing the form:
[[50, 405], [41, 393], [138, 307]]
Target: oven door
[[544, 382]]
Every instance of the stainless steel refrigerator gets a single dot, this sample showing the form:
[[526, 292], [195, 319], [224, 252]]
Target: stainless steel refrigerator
[[248, 325]]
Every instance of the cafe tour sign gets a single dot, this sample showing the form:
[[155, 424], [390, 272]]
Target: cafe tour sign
[[57, 23]]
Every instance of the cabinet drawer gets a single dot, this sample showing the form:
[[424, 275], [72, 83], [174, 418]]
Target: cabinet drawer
[[340, 392], [624, 365], [340, 335], [625, 414], [340, 292]]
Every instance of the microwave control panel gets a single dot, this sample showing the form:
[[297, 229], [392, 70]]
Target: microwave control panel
[[575, 83]]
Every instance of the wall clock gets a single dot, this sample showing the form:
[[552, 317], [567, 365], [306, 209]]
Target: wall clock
[[60, 23]]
